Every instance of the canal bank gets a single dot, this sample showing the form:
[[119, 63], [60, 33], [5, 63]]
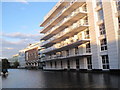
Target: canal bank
[[22, 78]]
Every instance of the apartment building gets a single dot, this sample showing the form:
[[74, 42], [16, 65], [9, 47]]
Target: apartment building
[[82, 35]]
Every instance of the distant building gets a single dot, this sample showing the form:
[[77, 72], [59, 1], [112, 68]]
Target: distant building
[[21, 59], [13, 59], [32, 55]]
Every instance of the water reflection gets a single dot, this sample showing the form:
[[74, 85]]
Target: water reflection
[[4, 75], [51, 79]]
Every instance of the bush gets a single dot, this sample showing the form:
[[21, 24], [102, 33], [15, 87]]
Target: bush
[[16, 64]]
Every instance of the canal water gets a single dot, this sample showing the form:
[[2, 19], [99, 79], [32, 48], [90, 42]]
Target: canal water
[[21, 78]]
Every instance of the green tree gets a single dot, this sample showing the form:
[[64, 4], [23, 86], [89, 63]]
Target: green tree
[[5, 64], [16, 64]]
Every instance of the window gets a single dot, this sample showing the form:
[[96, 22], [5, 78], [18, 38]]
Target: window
[[88, 49], [118, 5], [86, 34], [119, 21], [105, 62], [89, 62], [67, 52], [27, 55], [50, 56], [55, 64], [100, 14], [77, 63], [102, 29], [85, 21], [103, 44], [76, 50], [61, 64], [51, 64], [84, 8], [99, 2], [68, 64], [61, 54]]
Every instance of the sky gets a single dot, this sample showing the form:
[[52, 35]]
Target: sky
[[20, 25]]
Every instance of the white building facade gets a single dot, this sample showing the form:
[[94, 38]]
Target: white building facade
[[21, 59], [82, 35]]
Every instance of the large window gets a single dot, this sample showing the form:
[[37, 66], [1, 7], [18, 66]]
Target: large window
[[67, 52], [55, 64], [61, 64], [89, 62], [51, 64], [105, 62], [102, 29], [103, 44], [76, 50], [68, 64], [88, 49], [77, 63], [100, 14]]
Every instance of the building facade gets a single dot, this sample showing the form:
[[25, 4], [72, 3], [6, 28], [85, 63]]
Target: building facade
[[21, 59], [32, 55], [13, 59], [82, 35]]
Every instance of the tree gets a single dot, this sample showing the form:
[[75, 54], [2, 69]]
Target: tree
[[16, 64], [5, 64]]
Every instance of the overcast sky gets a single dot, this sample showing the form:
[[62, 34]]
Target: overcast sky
[[20, 24]]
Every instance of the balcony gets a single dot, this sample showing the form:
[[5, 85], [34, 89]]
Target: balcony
[[65, 12], [70, 19], [70, 31], [68, 43], [65, 57], [52, 13]]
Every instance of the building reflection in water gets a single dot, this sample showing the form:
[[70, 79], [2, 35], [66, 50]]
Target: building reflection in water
[[60, 79]]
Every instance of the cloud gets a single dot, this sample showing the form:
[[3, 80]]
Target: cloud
[[21, 1], [11, 46], [19, 35]]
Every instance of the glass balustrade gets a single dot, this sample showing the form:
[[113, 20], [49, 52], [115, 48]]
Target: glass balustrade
[[64, 8], [67, 42], [65, 31], [80, 9]]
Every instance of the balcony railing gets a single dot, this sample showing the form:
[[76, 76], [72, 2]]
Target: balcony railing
[[79, 10], [62, 11], [88, 50], [65, 43], [67, 30], [55, 57]]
